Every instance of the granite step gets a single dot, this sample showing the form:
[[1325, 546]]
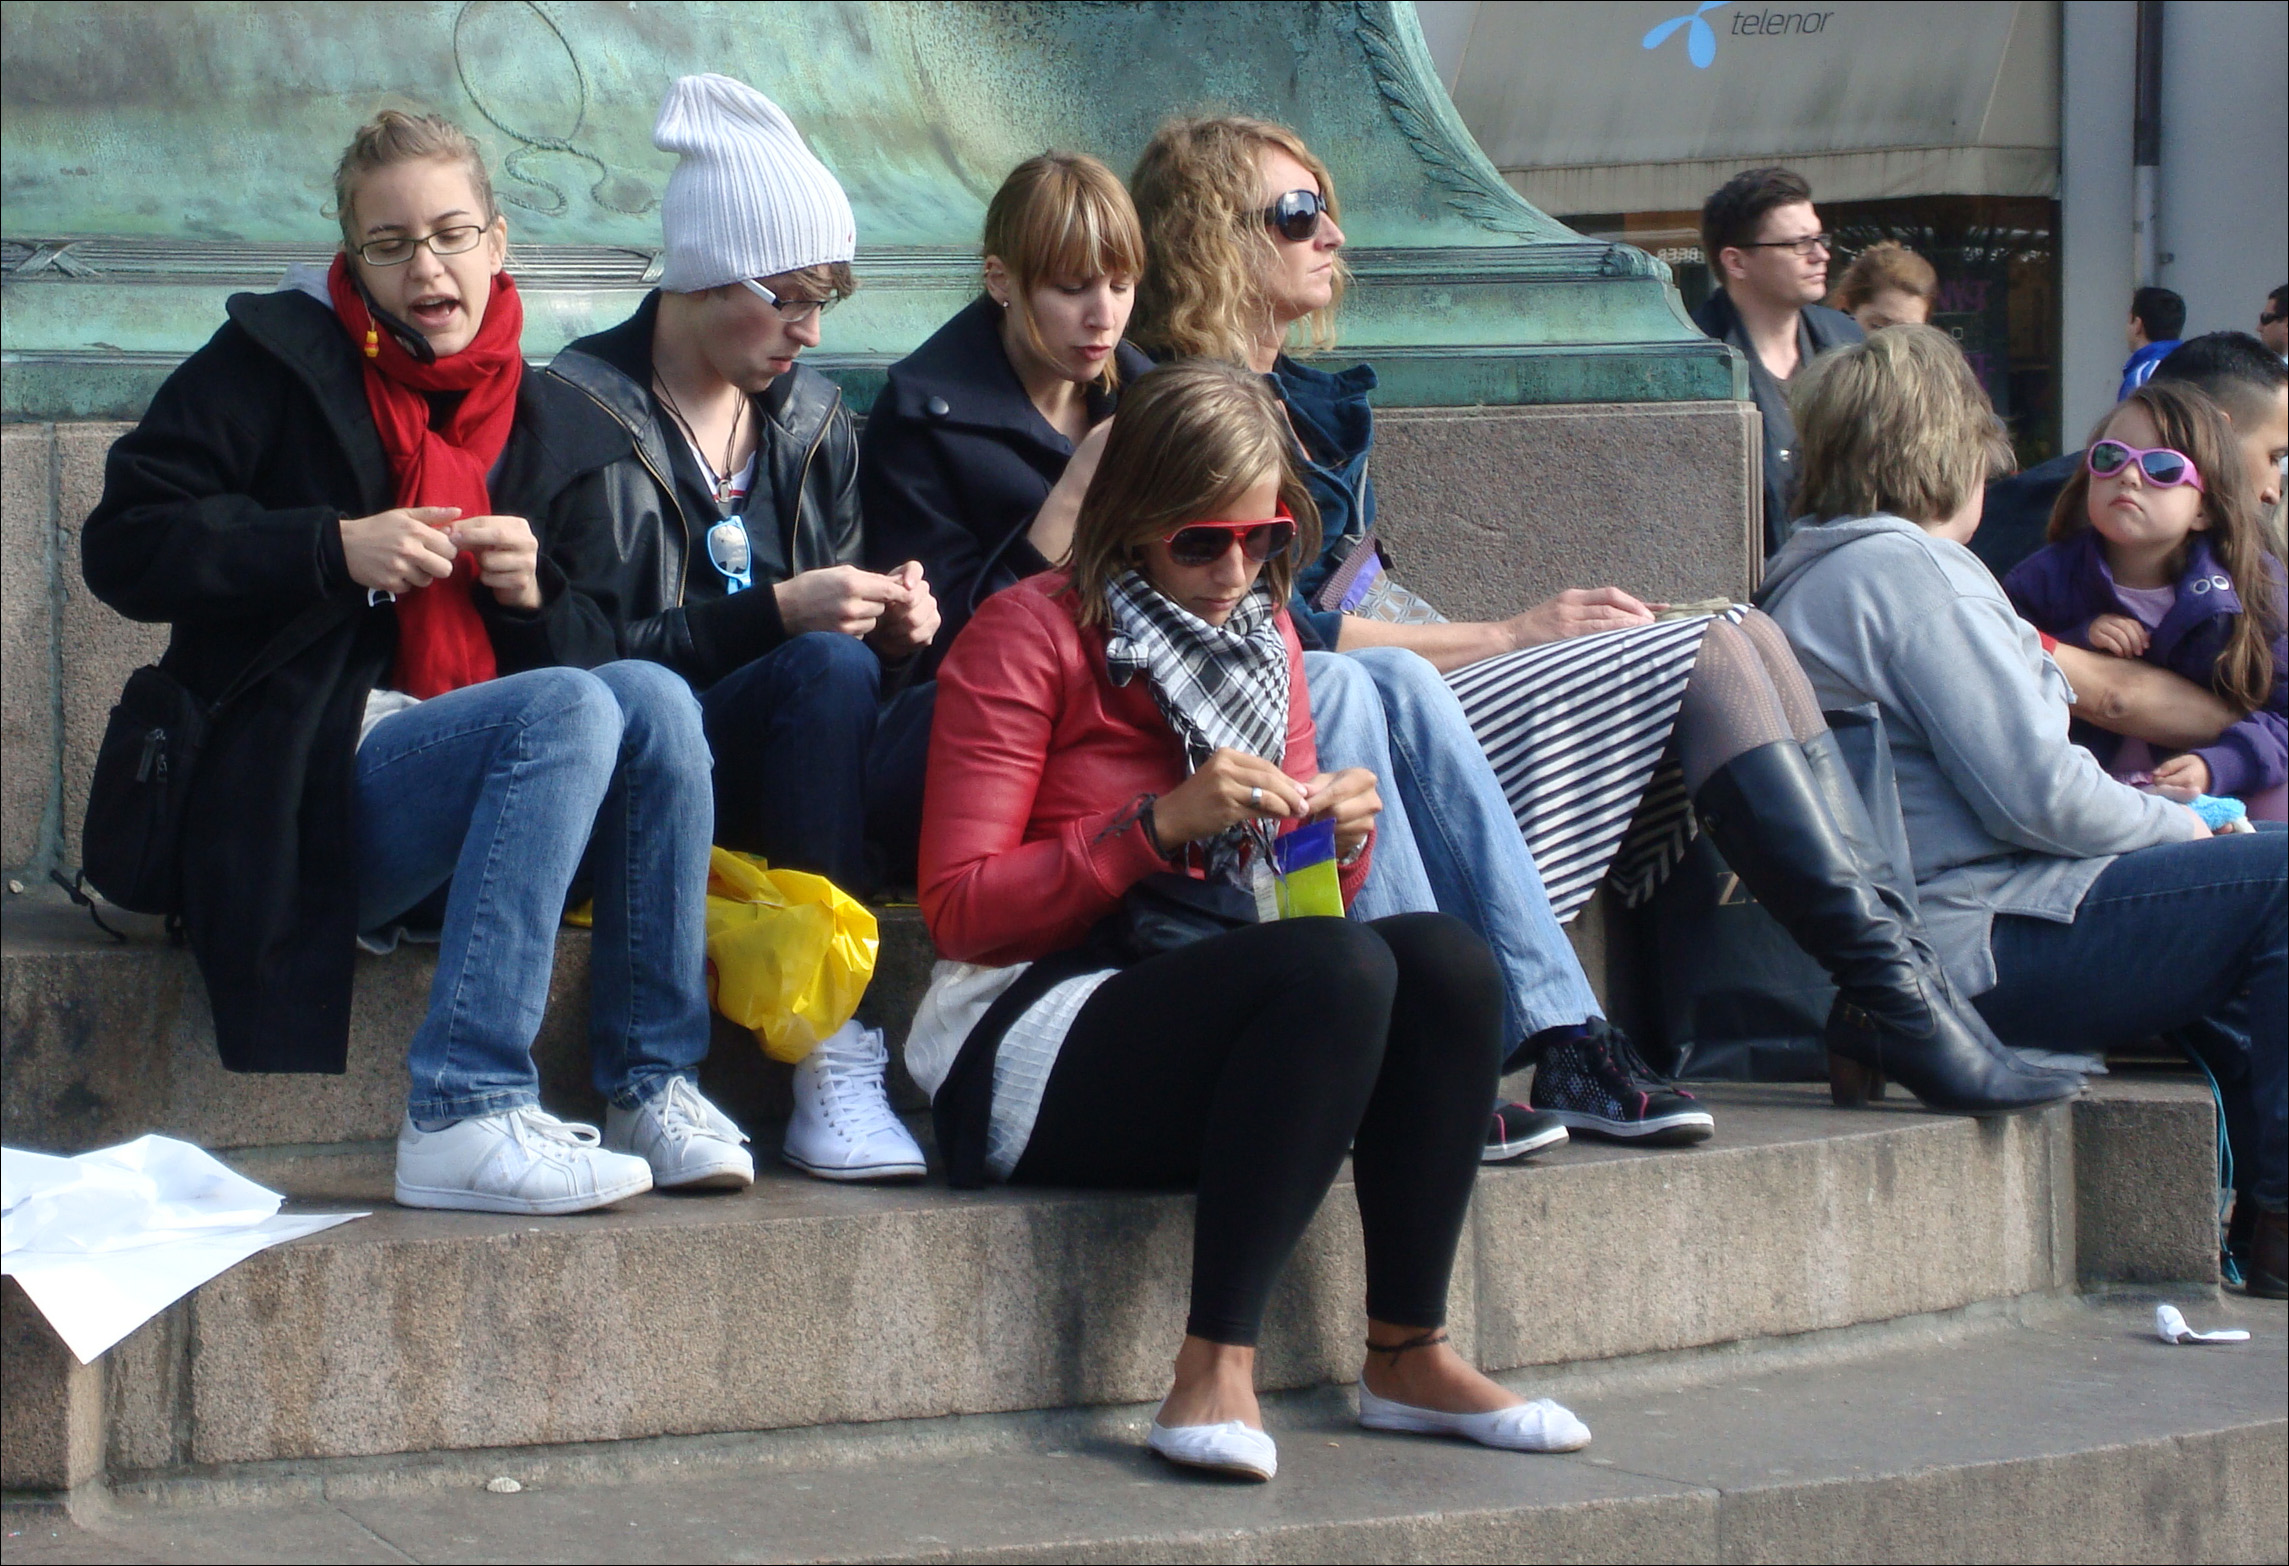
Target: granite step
[[2055, 1432], [800, 1303]]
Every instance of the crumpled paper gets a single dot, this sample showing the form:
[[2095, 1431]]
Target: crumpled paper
[[2170, 1326], [107, 1240]]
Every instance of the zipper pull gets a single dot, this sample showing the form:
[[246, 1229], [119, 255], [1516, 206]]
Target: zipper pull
[[153, 755]]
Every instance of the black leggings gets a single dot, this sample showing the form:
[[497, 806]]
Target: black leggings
[[1245, 1065]]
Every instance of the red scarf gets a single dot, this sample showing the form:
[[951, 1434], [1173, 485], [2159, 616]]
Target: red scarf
[[441, 640]]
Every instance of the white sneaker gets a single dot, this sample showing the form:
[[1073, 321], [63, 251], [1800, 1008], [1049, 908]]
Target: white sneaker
[[689, 1143], [843, 1126], [518, 1161]]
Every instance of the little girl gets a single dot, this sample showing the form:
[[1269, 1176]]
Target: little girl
[[2155, 553]]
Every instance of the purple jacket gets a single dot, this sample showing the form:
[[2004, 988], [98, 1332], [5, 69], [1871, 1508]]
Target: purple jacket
[[2061, 588]]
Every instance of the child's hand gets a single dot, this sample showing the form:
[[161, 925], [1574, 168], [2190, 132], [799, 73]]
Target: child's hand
[[2187, 771], [2117, 634]]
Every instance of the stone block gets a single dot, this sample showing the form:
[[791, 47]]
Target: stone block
[[27, 641], [51, 1406], [2146, 1178], [1488, 511], [99, 648]]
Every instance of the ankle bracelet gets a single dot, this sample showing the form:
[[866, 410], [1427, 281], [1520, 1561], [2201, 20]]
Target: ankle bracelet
[[1435, 1336]]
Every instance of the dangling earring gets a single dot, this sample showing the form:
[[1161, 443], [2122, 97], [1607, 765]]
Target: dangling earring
[[373, 343]]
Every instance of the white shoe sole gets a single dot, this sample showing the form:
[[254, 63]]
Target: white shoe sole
[[706, 1180], [462, 1200], [897, 1171], [1696, 1125], [1540, 1142]]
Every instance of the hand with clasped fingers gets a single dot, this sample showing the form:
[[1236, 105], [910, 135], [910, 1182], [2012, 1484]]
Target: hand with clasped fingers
[[1233, 786], [2120, 635], [409, 547]]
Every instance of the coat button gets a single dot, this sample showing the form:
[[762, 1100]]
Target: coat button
[[936, 408]]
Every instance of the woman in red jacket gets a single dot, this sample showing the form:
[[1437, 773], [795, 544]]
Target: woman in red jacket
[[1123, 738]]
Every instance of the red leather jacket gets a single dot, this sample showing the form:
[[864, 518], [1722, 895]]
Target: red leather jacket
[[1037, 760]]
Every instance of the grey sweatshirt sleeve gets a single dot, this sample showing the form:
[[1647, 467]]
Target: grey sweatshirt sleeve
[[2001, 740]]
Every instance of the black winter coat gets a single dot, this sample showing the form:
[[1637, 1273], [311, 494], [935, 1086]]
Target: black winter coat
[[220, 516], [954, 463], [631, 558], [1819, 330]]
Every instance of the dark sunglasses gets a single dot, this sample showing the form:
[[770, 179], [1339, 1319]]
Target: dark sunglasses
[[2164, 467], [1296, 215], [1204, 543]]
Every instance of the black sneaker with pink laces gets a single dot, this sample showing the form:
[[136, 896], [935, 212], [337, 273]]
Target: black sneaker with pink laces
[[1597, 1085]]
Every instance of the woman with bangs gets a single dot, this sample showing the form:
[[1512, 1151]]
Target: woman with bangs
[[1596, 733], [980, 446]]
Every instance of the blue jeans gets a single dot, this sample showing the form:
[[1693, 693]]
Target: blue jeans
[[813, 769], [1447, 841], [2187, 936], [497, 788]]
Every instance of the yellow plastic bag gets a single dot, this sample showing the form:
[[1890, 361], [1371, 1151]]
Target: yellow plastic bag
[[788, 954]]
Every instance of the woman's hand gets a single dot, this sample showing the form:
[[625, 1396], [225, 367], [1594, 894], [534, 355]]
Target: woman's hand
[[508, 558], [2118, 634], [2188, 771], [1349, 798], [1578, 611], [400, 550], [1221, 795], [1052, 530]]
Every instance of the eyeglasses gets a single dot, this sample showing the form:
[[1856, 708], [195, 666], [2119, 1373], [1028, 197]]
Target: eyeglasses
[[1205, 543], [2165, 468], [398, 249], [792, 311], [1296, 215], [729, 551], [1802, 247]]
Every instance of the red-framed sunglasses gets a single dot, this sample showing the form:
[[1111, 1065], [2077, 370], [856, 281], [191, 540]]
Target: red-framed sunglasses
[[1204, 543], [2163, 468]]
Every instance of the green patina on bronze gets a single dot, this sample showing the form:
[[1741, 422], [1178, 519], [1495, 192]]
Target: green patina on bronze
[[156, 158]]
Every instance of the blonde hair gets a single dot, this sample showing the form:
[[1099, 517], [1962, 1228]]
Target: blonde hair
[[1886, 264], [1062, 214], [1192, 437], [393, 137], [2190, 423], [1897, 423], [1199, 190]]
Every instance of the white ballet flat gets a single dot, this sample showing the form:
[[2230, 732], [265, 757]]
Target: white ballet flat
[[1229, 1448], [1539, 1426]]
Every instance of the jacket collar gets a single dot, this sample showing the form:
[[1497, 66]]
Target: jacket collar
[[964, 368], [307, 338], [2205, 591], [1329, 408]]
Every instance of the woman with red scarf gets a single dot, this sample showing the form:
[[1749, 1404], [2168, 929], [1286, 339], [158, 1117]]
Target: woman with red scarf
[[357, 471]]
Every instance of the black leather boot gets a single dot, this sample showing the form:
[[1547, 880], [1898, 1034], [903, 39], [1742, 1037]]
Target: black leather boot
[[1896, 1015]]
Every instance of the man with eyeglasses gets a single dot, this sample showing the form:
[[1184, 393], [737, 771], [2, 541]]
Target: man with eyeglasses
[[725, 544], [1769, 259]]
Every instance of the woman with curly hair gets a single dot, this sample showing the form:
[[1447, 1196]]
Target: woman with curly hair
[[1583, 704], [1887, 284]]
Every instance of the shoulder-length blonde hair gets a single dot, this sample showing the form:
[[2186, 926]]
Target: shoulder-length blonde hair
[[2191, 424], [1897, 423], [1199, 191], [1063, 214], [1192, 437]]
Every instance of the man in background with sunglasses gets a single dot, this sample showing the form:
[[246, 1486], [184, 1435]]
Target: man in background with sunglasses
[[1769, 259], [725, 544]]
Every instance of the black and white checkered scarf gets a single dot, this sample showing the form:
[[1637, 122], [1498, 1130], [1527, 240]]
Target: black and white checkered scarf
[[1219, 686]]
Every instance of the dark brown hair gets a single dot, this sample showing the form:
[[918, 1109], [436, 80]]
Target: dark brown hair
[[1731, 216], [1192, 436], [2190, 423]]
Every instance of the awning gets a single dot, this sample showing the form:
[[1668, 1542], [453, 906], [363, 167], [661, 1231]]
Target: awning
[[1648, 105]]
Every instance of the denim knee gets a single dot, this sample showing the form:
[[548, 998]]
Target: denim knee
[[571, 710], [1406, 680], [657, 707], [832, 660]]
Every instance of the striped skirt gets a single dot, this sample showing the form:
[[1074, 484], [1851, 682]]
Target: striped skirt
[[1578, 734]]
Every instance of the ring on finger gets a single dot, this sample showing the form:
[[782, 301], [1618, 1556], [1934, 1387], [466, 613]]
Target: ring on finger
[[1256, 797]]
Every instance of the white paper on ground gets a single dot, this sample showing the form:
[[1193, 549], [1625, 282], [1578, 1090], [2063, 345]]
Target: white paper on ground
[[2170, 1326], [107, 1240]]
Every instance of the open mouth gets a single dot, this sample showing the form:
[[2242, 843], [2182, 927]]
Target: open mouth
[[432, 313]]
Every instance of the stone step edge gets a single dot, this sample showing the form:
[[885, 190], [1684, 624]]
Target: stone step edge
[[647, 1459]]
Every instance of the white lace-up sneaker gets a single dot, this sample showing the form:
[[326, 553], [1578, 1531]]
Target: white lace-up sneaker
[[843, 1126], [518, 1161], [689, 1143]]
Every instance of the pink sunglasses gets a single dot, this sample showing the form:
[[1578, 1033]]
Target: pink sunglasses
[[2166, 469]]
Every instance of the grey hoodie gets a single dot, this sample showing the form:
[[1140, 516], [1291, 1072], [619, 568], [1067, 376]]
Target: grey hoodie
[[2004, 814]]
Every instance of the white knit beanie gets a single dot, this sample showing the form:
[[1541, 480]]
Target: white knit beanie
[[747, 198]]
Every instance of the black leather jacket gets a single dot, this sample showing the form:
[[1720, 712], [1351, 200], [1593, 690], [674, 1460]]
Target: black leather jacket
[[637, 560]]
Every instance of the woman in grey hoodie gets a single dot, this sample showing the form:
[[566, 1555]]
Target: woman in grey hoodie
[[2080, 912]]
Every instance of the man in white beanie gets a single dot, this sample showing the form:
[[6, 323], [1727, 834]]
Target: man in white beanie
[[725, 540]]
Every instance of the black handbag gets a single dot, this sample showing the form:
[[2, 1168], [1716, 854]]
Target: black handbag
[[131, 844]]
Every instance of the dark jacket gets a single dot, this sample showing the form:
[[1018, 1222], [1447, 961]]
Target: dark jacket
[[1331, 415], [2017, 512], [955, 462], [642, 558], [2061, 588], [1818, 330], [220, 516]]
